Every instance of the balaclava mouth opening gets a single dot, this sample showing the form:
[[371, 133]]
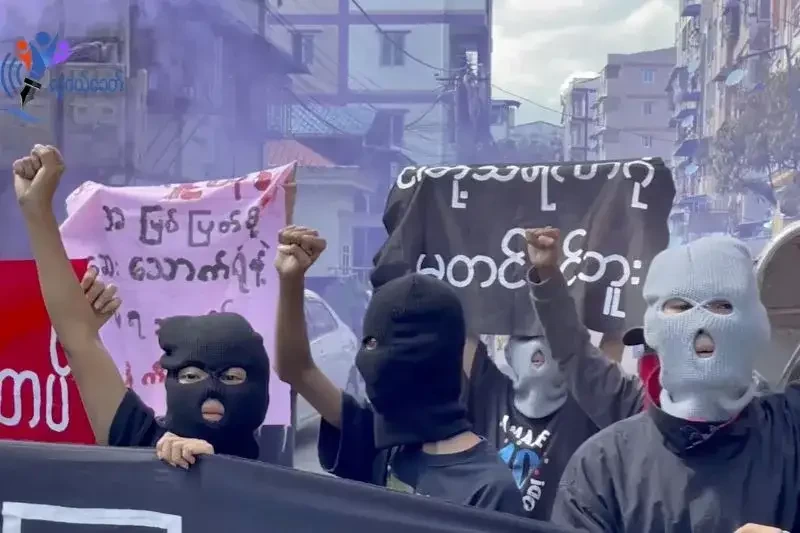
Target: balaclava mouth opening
[[215, 343], [539, 387], [411, 361], [715, 387]]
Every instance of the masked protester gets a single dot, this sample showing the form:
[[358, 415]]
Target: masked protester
[[414, 435], [708, 454], [529, 414], [216, 365]]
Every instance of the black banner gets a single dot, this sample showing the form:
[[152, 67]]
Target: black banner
[[464, 224], [48, 488]]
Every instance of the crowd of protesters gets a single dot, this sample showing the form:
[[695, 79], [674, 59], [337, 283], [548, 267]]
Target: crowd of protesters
[[565, 435]]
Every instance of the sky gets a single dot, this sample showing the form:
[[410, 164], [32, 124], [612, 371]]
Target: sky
[[538, 44]]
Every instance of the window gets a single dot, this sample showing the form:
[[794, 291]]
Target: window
[[612, 72], [647, 108], [576, 131], [303, 47], [344, 261], [764, 8], [319, 320], [578, 105], [498, 116], [393, 47], [647, 141], [397, 127], [648, 75]]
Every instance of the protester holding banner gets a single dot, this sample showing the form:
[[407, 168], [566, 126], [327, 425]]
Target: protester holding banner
[[217, 367], [414, 436], [708, 455]]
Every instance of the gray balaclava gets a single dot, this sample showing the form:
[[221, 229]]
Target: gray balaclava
[[539, 386], [715, 388]]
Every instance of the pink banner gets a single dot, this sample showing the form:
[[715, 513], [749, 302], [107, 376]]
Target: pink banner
[[182, 250]]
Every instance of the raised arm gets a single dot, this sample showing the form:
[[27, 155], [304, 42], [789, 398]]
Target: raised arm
[[600, 386], [298, 248], [36, 178]]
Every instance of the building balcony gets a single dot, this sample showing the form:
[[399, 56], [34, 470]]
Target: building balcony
[[682, 116], [691, 8], [691, 145], [690, 95]]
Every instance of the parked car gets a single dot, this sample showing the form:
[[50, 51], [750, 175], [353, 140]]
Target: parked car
[[333, 347]]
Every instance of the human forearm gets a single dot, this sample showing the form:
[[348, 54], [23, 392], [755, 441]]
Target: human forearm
[[76, 326], [598, 384], [293, 352], [294, 362], [70, 313]]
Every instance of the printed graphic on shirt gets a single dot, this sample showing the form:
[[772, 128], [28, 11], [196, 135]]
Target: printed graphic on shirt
[[524, 452], [393, 483]]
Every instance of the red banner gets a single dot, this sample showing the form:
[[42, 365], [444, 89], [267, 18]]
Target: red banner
[[39, 400]]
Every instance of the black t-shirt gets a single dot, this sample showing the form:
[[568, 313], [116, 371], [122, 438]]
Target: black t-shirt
[[474, 477], [134, 424], [536, 450]]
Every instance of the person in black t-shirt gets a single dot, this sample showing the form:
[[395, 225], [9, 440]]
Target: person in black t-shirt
[[413, 435], [217, 368], [530, 417]]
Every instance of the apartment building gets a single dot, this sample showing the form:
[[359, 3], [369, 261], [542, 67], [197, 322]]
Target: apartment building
[[391, 55], [579, 119], [391, 66], [632, 108], [786, 25], [685, 89]]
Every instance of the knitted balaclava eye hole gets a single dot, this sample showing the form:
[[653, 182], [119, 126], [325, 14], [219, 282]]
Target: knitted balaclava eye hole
[[710, 387], [214, 344]]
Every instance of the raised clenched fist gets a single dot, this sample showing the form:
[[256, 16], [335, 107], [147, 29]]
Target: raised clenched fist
[[298, 249], [36, 177], [544, 247]]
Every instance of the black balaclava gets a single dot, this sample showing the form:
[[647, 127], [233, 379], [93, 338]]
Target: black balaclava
[[411, 361], [214, 343]]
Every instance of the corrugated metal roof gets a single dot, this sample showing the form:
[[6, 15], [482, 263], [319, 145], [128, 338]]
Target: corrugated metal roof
[[285, 151], [314, 119]]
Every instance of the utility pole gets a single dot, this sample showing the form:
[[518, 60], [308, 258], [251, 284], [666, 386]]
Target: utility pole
[[128, 149], [58, 119]]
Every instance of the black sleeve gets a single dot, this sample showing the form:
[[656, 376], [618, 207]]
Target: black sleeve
[[603, 390], [582, 497], [349, 452], [500, 496], [134, 424], [485, 381]]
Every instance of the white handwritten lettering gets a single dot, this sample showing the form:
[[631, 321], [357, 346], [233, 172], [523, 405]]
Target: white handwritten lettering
[[19, 378], [462, 262], [411, 176], [601, 263]]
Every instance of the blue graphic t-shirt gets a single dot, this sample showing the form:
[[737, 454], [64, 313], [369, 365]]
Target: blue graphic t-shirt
[[536, 450]]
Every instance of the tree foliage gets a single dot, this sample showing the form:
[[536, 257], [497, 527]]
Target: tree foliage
[[764, 136]]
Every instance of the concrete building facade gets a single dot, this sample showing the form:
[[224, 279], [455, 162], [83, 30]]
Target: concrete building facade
[[579, 119], [632, 108]]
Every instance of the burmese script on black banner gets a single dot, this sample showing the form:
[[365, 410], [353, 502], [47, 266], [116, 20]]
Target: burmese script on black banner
[[465, 225]]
